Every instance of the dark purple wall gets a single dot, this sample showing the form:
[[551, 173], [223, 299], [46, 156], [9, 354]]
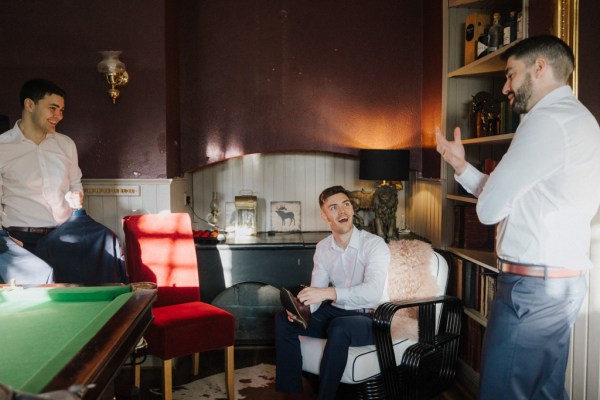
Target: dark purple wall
[[214, 79], [431, 108], [541, 21], [60, 40], [589, 57], [266, 76]]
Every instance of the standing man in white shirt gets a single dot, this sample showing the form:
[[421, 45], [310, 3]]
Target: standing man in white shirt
[[40, 179], [543, 195], [355, 263]]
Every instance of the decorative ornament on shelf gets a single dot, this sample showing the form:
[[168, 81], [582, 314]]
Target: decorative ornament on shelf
[[485, 114], [114, 71], [213, 216]]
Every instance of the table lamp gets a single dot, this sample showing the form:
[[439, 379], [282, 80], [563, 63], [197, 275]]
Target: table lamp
[[390, 168]]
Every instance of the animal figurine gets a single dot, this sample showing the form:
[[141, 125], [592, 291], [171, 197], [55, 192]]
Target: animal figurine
[[385, 203], [285, 214]]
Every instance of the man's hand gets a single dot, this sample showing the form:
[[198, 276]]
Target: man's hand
[[75, 200], [452, 152], [313, 295]]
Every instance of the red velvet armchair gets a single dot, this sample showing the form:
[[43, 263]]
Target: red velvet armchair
[[160, 249]]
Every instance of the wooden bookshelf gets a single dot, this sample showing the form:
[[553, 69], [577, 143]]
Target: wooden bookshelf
[[489, 64]]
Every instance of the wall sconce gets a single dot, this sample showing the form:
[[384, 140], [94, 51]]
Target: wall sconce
[[390, 167], [114, 70]]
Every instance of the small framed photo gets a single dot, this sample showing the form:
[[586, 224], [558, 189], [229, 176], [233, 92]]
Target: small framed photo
[[286, 216]]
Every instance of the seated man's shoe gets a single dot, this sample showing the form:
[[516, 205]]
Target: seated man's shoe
[[300, 312]]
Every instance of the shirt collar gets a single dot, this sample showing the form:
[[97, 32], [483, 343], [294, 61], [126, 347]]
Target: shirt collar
[[23, 137], [354, 240], [555, 95]]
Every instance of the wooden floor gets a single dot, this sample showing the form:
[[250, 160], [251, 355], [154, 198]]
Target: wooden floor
[[212, 363]]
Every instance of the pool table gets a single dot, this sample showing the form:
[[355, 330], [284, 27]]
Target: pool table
[[53, 336]]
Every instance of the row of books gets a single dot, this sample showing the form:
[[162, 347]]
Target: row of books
[[471, 343], [473, 284], [469, 232]]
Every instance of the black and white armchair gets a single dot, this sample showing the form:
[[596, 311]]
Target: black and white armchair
[[403, 364]]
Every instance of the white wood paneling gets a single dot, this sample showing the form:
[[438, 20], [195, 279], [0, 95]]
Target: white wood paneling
[[425, 209], [155, 196], [278, 177]]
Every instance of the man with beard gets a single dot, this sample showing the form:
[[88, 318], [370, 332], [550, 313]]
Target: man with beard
[[349, 280], [543, 195]]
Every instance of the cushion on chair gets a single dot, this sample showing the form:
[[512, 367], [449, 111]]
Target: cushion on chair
[[422, 273], [409, 278], [161, 249], [169, 333]]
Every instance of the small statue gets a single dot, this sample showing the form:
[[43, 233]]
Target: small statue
[[361, 200], [385, 204]]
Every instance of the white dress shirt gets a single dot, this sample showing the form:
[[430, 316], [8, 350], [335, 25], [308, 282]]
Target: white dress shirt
[[358, 273], [35, 178], [546, 189]]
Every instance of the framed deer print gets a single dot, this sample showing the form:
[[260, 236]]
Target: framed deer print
[[285, 216]]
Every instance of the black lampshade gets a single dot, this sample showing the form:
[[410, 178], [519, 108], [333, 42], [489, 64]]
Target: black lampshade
[[389, 165]]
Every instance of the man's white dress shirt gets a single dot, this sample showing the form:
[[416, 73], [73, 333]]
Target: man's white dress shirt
[[546, 189], [358, 273], [35, 178]]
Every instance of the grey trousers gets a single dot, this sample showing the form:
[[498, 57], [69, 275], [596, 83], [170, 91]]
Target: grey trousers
[[526, 343]]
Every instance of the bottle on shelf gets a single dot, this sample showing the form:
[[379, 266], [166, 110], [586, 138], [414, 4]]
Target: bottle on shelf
[[482, 44], [510, 28], [496, 34], [520, 25]]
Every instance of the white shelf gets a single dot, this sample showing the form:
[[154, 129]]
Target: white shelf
[[484, 258], [489, 64], [495, 139], [464, 199], [476, 315]]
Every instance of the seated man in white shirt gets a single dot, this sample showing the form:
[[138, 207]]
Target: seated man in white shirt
[[348, 282], [40, 174]]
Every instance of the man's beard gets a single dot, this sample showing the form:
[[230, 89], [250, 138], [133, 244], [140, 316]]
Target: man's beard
[[522, 96]]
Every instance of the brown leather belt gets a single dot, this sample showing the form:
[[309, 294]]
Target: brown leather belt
[[39, 231], [538, 271]]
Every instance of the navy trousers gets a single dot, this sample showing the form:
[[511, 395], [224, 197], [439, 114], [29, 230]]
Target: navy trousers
[[526, 343], [342, 328], [21, 265]]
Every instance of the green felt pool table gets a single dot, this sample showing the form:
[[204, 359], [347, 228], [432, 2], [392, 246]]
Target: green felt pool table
[[52, 337]]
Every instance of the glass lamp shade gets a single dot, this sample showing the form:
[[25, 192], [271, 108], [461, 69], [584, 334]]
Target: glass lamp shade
[[110, 63], [380, 165]]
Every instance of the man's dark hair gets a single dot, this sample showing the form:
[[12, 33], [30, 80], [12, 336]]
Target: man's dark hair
[[36, 89], [557, 52], [330, 191]]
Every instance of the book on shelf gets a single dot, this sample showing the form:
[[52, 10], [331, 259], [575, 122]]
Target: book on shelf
[[474, 284], [456, 277], [469, 232], [471, 285], [471, 343], [490, 291]]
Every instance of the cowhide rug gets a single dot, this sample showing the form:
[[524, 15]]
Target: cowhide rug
[[251, 383]]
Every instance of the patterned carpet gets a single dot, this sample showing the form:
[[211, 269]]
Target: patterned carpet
[[251, 383]]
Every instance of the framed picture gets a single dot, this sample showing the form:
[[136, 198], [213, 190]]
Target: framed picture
[[286, 216]]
